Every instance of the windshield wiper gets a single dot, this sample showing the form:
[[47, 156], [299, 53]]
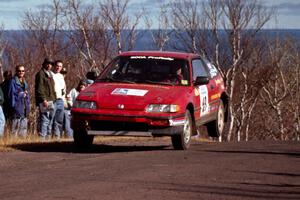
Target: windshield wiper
[[110, 79], [125, 81], [159, 83], [106, 79]]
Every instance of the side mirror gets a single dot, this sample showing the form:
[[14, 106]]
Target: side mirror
[[201, 80]]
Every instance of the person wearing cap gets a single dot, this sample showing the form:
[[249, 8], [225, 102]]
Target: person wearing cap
[[45, 97], [60, 93], [19, 101]]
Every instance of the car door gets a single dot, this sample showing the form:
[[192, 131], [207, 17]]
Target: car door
[[215, 86], [203, 93]]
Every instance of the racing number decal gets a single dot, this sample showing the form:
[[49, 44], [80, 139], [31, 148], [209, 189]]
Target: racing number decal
[[204, 100]]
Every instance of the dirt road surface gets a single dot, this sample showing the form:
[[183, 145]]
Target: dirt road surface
[[151, 170]]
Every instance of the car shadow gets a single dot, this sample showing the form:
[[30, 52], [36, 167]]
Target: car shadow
[[69, 147]]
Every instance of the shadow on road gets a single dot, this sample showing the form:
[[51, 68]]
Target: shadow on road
[[69, 147], [236, 191], [281, 153]]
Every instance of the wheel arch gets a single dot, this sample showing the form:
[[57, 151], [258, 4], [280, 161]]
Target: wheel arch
[[191, 108]]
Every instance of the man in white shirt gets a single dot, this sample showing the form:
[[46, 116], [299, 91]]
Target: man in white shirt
[[60, 91]]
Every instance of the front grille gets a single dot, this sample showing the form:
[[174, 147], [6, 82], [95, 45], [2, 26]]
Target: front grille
[[118, 126]]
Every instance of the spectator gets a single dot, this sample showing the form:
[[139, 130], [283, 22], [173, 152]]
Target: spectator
[[5, 86], [91, 75], [19, 101], [2, 118], [75, 92], [88, 82], [44, 96], [67, 112], [70, 100], [60, 92], [67, 117]]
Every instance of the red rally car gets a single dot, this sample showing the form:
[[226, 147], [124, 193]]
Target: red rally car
[[152, 93]]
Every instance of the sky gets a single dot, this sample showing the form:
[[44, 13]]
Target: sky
[[11, 11]]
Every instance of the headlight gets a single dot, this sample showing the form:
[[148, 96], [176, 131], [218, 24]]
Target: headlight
[[162, 108], [85, 104]]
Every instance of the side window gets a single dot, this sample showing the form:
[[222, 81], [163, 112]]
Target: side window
[[198, 69]]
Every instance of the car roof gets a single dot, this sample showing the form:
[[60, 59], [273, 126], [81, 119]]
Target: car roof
[[172, 54]]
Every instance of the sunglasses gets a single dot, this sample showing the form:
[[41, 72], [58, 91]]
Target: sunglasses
[[21, 71]]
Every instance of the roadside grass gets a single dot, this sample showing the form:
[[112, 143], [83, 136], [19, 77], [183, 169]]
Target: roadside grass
[[7, 142]]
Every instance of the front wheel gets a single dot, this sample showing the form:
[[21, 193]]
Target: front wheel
[[216, 127], [82, 140], [183, 140]]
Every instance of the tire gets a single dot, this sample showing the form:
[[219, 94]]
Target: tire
[[216, 127], [183, 140], [82, 140]]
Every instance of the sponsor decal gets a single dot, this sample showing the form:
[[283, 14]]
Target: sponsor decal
[[204, 100], [215, 96], [196, 91], [129, 92], [138, 57], [212, 70], [184, 82], [177, 122], [218, 81], [160, 58], [152, 57]]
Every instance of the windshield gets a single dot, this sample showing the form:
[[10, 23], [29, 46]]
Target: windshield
[[147, 69]]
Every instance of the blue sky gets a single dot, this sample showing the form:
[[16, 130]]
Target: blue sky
[[11, 11]]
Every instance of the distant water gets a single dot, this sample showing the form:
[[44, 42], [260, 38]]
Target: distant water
[[145, 42]]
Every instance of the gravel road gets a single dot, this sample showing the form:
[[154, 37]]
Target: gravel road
[[142, 170]]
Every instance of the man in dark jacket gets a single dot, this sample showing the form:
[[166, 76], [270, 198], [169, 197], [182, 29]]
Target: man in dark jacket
[[19, 101], [7, 110], [45, 97]]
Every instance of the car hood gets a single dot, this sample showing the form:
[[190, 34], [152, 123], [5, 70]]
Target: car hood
[[131, 96]]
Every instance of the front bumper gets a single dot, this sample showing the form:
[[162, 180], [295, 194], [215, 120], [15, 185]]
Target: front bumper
[[108, 125]]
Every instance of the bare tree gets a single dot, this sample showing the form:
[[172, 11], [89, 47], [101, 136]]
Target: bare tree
[[88, 34], [249, 85], [187, 22], [43, 27], [124, 30], [242, 21], [294, 90], [160, 35], [213, 11], [275, 88]]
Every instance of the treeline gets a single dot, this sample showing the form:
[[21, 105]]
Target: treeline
[[262, 73]]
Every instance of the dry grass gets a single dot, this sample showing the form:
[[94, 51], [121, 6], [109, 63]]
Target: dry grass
[[7, 143]]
